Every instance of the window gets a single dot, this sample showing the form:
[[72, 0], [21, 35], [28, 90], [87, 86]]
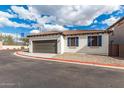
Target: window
[[112, 33], [94, 40], [73, 41]]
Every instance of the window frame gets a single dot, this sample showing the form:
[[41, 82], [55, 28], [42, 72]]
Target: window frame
[[98, 41], [76, 41]]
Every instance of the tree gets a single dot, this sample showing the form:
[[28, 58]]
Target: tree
[[25, 40], [8, 40], [1, 37]]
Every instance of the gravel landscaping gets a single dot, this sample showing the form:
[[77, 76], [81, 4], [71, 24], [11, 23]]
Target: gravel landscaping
[[91, 58]]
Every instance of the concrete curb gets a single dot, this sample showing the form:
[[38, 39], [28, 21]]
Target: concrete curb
[[117, 66]]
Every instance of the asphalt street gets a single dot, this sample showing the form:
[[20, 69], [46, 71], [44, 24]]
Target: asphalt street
[[21, 72]]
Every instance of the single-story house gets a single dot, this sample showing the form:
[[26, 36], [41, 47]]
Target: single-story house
[[116, 38], [81, 41]]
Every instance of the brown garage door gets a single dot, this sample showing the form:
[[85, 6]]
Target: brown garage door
[[46, 46], [121, 50], [114, 50]]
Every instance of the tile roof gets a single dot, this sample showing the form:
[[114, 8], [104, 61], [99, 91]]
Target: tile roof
[[70, 32], [45, 33], [77, 32]]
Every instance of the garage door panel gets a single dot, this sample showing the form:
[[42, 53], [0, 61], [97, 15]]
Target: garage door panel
[[45, 46]]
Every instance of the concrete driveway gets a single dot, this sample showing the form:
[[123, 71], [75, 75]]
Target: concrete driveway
[[21, 72]]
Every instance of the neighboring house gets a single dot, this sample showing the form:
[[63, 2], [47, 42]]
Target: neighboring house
[[81, 41], [1, 44], [11, 47], [117, 38]]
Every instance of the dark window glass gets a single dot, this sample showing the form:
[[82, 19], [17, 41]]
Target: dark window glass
[[77, 41], [68, 41], [94, 40], [99, 40], [89, 41], [73, 42]]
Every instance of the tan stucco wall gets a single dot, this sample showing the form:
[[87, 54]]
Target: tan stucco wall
[[83, 46], [118, 34]]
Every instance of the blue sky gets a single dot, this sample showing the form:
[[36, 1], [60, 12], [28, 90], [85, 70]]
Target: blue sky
[[29, 19]]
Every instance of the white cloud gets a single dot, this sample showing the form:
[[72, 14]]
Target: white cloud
[[25, 14], [6, 15], [62, 15], [48, 27], [110, 21], [31, 14], [75, 15], [95, 21], [7, 22], [34, 31], [46, 19]]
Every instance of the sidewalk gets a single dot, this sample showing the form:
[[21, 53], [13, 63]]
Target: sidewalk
[[76, 59]]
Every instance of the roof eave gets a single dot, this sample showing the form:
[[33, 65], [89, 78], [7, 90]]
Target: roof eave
[[44, 34]]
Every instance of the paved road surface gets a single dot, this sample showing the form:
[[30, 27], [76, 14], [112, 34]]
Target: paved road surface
[[21, 72]]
